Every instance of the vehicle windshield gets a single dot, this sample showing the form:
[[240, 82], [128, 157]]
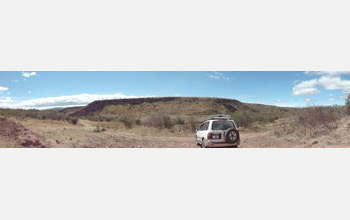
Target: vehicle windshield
[[222, 125]]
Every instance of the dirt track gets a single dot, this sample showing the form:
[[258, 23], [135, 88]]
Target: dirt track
[[47, 133]]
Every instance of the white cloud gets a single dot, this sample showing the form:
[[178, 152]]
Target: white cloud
[[61, 101], [15, 80], [5, 101], [308, 99], [213, 76], [218, 75], [27, 75], [3, 89], [330, 73], [29, 92], [277, 101], [306, 88], [329, 80]]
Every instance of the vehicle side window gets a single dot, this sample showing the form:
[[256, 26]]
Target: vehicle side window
[[204, 126]]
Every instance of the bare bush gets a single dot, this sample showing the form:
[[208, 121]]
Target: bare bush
[[242, 119], [160, 121], [179, 121], [318, 115], [347, 105], [128, 121], [313, 121], [192, 123]]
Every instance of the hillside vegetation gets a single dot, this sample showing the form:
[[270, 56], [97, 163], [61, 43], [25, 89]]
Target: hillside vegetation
[[186, 113], [188, 108], [171, 122]]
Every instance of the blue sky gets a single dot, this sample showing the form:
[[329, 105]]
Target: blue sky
[[40, 89]]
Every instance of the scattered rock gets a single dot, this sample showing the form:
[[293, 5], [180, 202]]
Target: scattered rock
[[287, 139], [315, 142], [58, 142]]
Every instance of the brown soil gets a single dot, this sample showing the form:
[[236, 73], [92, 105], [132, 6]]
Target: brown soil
[[61, 134], [13, 134]]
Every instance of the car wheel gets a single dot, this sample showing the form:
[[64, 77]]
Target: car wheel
[[197, 143], [203, 144], [232, 135]]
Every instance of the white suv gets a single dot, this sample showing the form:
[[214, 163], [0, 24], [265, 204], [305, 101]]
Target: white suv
[[218, 131]]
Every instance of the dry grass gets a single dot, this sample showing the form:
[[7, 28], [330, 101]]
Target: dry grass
[[312, 122], [111, 134]]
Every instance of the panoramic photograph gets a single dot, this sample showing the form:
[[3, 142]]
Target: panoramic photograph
[[194, 109]]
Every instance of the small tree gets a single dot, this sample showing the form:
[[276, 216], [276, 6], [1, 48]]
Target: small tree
[[347, 105]]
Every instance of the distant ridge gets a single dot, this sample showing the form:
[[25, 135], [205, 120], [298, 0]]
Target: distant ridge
[[171, 105]]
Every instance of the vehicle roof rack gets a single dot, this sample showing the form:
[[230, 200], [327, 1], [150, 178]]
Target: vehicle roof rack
[[213, 117]]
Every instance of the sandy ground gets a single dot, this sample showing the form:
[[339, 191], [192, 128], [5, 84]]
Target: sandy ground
[[61, 134]]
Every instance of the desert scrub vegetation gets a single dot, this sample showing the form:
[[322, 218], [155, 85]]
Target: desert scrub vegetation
[[249, 119], [347, 105], [160, 121], [128, 121], [311, 122], [38, 114]]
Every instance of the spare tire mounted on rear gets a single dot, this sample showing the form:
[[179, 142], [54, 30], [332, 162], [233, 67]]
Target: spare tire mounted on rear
[[232, 136]]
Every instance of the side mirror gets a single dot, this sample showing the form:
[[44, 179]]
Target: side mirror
[[197, 129]]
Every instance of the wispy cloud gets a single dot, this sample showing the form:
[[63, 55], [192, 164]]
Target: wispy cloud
[[278, 101], [15, 80], [329, 80], [213, 76], [308, 99], [218, 75], [61, 101], [5, 101], [29, 74], [3, 89]]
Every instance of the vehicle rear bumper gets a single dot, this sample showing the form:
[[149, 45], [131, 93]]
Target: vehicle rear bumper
[[221, 144]]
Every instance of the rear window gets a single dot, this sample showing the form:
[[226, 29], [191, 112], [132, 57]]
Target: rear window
[[222, 125]]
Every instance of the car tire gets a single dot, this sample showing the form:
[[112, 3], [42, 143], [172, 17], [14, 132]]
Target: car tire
[[232, 136], [203, 144], [197, 143]]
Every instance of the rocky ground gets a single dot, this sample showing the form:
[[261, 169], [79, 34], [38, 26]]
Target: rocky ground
[[60, 134], [15, 135]]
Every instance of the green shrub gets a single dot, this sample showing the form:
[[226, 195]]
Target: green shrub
[[74, 120]]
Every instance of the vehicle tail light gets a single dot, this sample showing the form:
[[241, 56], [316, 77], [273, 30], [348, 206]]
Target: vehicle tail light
[[209, 136]]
